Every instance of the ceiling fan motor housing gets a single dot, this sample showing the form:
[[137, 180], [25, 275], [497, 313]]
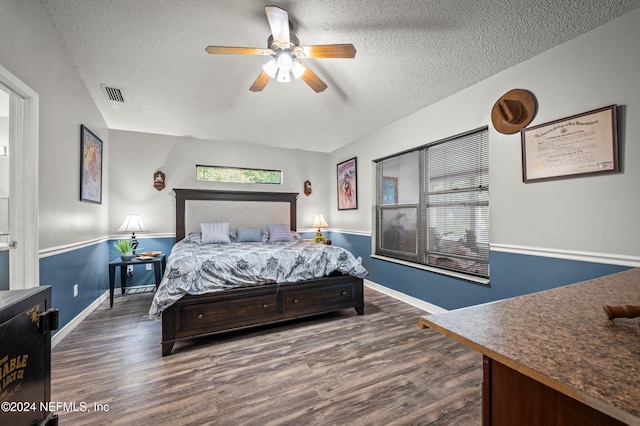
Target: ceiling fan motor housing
[[275, 46]]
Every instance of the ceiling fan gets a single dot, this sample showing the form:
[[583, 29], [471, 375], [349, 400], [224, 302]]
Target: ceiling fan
[[286, 53]]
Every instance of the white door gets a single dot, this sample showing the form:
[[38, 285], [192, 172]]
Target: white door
[[19, 184], [4, 189]]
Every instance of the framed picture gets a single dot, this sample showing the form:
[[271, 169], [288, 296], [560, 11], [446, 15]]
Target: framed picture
[[90, 166], [579, 145], [347, 185], [389, 190]]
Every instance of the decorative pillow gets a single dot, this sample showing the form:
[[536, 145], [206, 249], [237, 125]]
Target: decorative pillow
[[279, 232], [248, 235], [215, 233]]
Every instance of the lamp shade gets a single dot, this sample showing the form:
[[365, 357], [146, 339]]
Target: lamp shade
[[271, 68], [132, 223], [319, 222]]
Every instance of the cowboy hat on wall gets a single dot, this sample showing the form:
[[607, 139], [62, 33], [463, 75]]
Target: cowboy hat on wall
[[513, 111]]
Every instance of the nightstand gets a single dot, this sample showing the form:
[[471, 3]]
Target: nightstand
[[159, 263]]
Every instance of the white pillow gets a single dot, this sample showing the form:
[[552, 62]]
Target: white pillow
[[215, 233], [279, 232]]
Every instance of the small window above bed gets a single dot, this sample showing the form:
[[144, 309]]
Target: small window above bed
[[237, 175]]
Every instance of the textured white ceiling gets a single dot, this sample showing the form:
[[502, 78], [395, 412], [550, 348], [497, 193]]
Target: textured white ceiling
[[410, 54]]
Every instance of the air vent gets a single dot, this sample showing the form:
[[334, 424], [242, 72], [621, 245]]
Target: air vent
[[113, 93]]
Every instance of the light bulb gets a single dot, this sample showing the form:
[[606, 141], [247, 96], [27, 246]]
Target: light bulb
[[285, 62]]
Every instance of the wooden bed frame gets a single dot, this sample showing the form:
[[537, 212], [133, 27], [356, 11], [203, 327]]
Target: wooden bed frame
[[196, 316]]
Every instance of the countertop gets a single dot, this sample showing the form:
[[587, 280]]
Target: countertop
[[562, 338]]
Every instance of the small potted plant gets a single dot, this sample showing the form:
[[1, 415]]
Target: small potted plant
[[320, 239], [125, 248]]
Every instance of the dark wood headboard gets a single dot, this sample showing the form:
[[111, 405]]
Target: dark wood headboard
[[182, 195]]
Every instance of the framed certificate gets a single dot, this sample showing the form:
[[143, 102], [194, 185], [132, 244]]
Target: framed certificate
[[579, 145]]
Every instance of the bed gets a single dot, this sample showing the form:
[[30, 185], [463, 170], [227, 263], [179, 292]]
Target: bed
[[199, 297]]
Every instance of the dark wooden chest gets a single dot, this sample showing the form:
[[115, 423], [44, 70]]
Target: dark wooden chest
[[26, 322]]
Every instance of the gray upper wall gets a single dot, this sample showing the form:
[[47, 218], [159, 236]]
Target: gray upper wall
[[596, 214], [31, 51], [137, 156]]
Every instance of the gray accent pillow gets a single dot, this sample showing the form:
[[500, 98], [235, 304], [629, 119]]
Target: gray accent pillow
[[245, 235]]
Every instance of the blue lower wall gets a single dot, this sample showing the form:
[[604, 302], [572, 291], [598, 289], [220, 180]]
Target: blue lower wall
[[511, 275], [88, 268]]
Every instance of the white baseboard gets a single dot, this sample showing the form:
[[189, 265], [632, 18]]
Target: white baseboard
[[420, 304], [64, 331]]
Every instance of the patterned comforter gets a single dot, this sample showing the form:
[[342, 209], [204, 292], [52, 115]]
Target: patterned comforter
[[196, 268]]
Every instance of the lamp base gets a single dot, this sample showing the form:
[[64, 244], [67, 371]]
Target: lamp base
[[134, 243]]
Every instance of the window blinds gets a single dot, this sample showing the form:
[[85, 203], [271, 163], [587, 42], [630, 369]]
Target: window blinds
[[432, 205]]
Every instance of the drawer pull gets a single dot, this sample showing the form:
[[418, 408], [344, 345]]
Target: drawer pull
[[343, 293], [265, 306], [295, 300], [200, 316]]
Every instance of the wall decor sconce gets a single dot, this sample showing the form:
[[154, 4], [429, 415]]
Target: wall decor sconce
[[158, 180], [307, 187]]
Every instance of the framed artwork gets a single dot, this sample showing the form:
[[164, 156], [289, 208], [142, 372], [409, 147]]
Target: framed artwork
[[347, 185], [579, 145], [90, 166], [389, 190]]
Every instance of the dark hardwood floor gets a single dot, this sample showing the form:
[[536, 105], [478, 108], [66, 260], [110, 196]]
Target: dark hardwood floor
[[335, 369]]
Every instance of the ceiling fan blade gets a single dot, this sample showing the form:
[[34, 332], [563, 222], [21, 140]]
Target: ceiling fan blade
[[225, 50], [260, 82], [279, 23], [313, 80], [329, 51]]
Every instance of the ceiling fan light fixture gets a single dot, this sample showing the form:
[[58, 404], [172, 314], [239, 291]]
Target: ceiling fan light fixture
[[271, 68], [284, 53], [297, 69]]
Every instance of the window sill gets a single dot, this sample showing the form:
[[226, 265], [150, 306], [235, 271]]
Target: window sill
[[473, 279]]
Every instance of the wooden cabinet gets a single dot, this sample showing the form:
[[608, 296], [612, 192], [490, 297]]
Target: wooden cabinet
[[553, 357], [512, 398]]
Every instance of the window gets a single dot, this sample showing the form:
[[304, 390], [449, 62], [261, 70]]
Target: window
[[237, 175], [432, 205]]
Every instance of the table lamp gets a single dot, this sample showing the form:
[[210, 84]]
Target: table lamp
[[319, 222], [132, 223]]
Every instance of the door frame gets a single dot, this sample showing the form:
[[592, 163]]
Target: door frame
[[24, 259]]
